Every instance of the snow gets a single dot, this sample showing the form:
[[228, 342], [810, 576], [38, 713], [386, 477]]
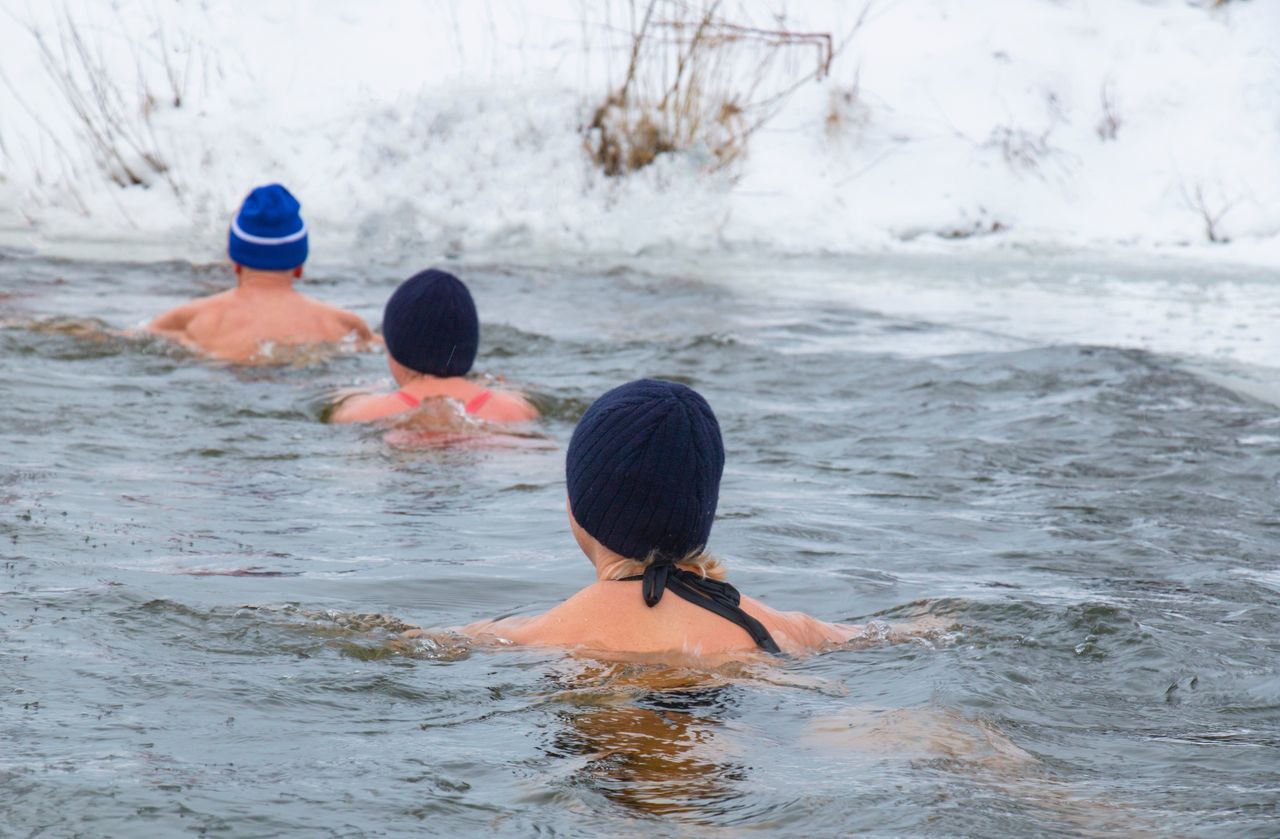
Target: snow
[[412, 126]]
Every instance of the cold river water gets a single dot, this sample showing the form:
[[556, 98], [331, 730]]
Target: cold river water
[[1070, 466]]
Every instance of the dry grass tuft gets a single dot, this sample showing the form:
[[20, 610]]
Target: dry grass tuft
[[696, 77], [115, 115], [846, 111], [1021, 149]]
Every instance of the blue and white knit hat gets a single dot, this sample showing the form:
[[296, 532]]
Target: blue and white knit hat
[[268, 233]]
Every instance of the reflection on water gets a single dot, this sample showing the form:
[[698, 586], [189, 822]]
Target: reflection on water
[[653, 762], [649, 740], [205, 589], [974, 752], [918, 734]]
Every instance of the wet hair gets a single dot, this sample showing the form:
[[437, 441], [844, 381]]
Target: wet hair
[[430, 324], [699, 562]]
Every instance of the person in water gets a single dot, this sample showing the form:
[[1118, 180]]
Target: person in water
[[643, 471], [432, 332], [268, 246]]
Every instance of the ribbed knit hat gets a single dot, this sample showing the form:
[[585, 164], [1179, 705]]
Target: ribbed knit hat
[[430, 324], [268, 233], [644, 469]]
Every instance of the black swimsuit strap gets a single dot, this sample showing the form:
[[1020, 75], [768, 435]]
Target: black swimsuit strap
[[713, 595]]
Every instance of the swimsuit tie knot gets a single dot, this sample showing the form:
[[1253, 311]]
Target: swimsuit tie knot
[[655, 580], [663, 572], [713, 595]]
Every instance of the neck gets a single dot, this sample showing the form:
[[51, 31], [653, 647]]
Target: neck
[[616, 567], [251, 280], [611, 566], [608, 565]]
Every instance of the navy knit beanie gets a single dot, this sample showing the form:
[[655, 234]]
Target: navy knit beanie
[[268, 233], [644, 470], [430, 324]]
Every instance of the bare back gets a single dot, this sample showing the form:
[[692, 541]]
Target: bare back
[[235, 325], [611, 616], [490, 405]]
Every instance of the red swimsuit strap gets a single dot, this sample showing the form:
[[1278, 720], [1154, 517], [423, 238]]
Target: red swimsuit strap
[[478, 401]]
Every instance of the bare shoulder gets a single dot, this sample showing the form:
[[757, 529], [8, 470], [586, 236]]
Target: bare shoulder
[[801, 630], [354, 323], [507, 406], [347, 320], [178, 317], [371, 406], [597, 598], [571, 623]]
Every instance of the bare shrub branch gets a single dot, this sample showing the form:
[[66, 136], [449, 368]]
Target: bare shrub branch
[[696, 78], [1196, 200], [1021, 149], [119, 133], [1109, 123]]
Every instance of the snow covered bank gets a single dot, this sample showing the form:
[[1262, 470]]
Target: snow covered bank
[[430, 127]]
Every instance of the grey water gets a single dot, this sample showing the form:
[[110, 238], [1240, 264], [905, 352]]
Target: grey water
[[201, 581]]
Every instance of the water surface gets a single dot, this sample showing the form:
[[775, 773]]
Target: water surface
[[1072, 464]]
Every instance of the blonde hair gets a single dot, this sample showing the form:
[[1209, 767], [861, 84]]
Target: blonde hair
[[698, 561]]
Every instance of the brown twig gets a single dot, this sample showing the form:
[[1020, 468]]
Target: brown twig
[[713, 82]]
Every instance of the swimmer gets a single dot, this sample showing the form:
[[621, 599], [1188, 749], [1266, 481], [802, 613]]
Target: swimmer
[[267, 245], [643, 469], [432, 333]]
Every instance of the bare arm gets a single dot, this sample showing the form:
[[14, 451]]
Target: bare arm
[[173, 323], [566, 624], [518, 630], [354, 323], [800, 631], [818, 634]]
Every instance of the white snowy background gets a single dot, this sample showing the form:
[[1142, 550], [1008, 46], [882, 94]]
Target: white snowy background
[[456, 126]]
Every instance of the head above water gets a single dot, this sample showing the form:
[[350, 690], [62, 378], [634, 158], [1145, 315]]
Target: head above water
[[268, 233], [644, 469], [430, 325]]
